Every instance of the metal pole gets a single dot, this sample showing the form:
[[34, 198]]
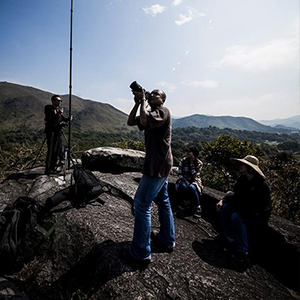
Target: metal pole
[[70, 86]]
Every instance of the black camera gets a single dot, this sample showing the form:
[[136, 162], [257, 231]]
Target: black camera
[[138, 88]]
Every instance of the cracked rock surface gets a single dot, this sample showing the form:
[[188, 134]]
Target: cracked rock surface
[[84, 254]]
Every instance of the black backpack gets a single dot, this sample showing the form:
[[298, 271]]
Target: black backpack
[[87, 186], [14, 221]]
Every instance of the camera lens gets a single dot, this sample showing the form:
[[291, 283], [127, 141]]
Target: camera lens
[[136, 87]]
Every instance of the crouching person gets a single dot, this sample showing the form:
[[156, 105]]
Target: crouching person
[[189, 184], [246, 208]]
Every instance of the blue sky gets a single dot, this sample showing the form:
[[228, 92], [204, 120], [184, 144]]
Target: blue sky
[[214, 57]]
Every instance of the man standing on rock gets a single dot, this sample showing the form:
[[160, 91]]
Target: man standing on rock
[[154, 183], [53, 124]]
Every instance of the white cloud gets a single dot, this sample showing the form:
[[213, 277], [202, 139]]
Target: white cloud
[[170, 87], [268, 56], [154, 10], [192, 14], [207, 84], [177, 2], [187, 52]]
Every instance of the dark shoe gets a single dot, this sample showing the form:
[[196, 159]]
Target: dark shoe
[[183, 207], [197, 212], [242, 260], [49, 172], [224, 244], [130, 258], [180, 214], [163, 247], [240, 257], [184, 211]]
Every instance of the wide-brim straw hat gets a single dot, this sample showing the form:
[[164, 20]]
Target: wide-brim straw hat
[[251, 161]]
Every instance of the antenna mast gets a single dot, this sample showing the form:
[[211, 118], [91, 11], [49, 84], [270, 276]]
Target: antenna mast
[[70, 86]]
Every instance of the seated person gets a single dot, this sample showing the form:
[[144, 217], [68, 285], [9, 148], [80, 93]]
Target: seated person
[[247, 207], [189, 185]]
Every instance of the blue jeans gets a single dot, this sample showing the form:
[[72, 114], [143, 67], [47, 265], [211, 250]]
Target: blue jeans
[[190, 191], [151, 189], [235, 227]]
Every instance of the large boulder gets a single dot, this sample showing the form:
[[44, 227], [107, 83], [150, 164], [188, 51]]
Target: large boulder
[[81, 251], [113, 159]]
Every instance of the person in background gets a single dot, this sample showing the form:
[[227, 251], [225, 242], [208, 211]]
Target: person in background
[[53, 124], [245, 208], [153, 186], [189, 184]]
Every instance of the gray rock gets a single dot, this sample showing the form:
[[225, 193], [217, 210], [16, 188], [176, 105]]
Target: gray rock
[[83, 253], [113, 159]]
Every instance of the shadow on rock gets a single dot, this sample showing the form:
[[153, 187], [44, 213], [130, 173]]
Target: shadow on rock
[[209, 251], [105, 262], [18, 176], [279, 259]]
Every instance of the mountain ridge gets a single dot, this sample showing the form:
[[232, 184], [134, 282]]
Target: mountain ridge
[[291, 122], [237, 123], [23, 106]]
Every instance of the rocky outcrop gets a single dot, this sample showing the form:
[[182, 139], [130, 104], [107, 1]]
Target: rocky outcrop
[[81, 251], [113, 159]]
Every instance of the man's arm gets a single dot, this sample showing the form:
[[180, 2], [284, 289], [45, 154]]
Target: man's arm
[[139, 98], [143, 114], [132, 115]]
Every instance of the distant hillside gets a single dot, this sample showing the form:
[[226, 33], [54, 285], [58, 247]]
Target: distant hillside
[[237, 123], [24, 106], [292, 122]]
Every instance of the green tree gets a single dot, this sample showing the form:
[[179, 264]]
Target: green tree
[[219, 172], [283, 174], [130, 144], [289, 145]]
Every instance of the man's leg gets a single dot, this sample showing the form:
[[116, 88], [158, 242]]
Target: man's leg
[[240, 233], [255, 230], [60, 149], [55, 149], [148, 189], [167, 231], [227, 229], [182, 193], [50, 141], [195, 200], [194, 195]]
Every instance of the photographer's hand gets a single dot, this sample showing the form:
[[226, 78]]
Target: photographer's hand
[[138, 96]]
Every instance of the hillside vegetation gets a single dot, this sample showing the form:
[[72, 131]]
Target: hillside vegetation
[[96, 124], [24, 106]]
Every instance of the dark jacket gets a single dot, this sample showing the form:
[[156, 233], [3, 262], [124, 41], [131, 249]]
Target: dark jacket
[[251, 198], [53, 119]]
